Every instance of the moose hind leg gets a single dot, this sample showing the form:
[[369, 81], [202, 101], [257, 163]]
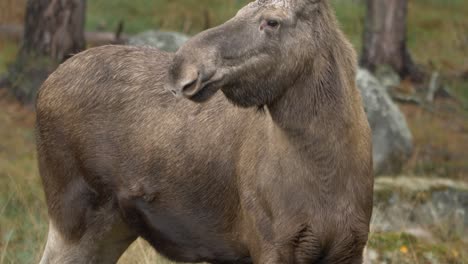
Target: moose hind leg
[[83, 227], [103, 242]]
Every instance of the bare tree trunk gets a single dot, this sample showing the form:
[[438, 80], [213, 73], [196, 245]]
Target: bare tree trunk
[[385, 37], [54, 28], [54, 31]]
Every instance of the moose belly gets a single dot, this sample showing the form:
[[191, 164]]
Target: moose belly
[[182, 234]]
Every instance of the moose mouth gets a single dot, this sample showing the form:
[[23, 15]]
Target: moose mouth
[[205, 93], [205, 89]]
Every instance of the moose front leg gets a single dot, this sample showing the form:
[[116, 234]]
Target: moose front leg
[[275, 256], [269, 252]]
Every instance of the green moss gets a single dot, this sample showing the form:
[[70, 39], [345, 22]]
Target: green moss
[[187, 16], [26, 75], [23, 213], [8, 50], [390, 241], [405, 248]]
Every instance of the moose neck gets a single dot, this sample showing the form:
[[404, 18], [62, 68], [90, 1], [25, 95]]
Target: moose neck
[[324, 95], [318, 118], [322, 99]]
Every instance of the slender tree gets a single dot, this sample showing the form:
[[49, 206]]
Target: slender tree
[[54, 31], [385, 37]]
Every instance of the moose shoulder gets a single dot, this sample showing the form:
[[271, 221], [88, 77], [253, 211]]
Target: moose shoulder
[[202, 177]]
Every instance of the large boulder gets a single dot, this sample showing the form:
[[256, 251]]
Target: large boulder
[[167, 41], [418, 220], [392, 140], [388, 77], [420, 206]]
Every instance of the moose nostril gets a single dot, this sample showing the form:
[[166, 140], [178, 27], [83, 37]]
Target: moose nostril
[[187, 87], [190, 88]]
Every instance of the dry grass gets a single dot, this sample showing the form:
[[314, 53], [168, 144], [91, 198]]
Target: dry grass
[[21, 198], [140, 252], [440, 140], [438, 31], [12, 11], [8, 50]]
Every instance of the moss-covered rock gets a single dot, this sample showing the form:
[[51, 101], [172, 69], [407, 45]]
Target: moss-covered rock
[[403, 248], [437, 205]]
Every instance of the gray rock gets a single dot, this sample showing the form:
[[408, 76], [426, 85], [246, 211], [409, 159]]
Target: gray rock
[[371, 256], [167, 41], [387, 77], [404, 204], [392, 140]]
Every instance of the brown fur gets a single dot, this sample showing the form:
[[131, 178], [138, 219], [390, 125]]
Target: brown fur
[[120, 157]]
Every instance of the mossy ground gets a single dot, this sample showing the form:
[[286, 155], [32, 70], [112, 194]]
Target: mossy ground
[[404, 248]]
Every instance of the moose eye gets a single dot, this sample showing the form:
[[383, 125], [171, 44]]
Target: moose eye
[[272, 23]]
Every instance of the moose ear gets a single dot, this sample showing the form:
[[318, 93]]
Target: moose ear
[[297, 4], [306, 4], [310, 2], [279, 3]]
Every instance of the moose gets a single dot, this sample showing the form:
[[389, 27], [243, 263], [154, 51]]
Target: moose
[[250, 144]]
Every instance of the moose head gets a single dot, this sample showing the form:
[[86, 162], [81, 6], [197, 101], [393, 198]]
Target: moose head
[[255, 56]]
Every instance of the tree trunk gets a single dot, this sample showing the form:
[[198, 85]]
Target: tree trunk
[[54, 31], [54, 28], [385, 37]]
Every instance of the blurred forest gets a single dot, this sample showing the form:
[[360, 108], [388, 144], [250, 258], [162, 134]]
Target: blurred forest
[[436, 38]]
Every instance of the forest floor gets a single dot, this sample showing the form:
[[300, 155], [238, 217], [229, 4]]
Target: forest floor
[[438, 40]]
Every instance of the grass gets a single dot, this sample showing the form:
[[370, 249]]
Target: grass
[[402, 248], [438, 31], [139, 15], [21, 200], [192, 17], [12, 11], [440, 139], [8, 52]]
